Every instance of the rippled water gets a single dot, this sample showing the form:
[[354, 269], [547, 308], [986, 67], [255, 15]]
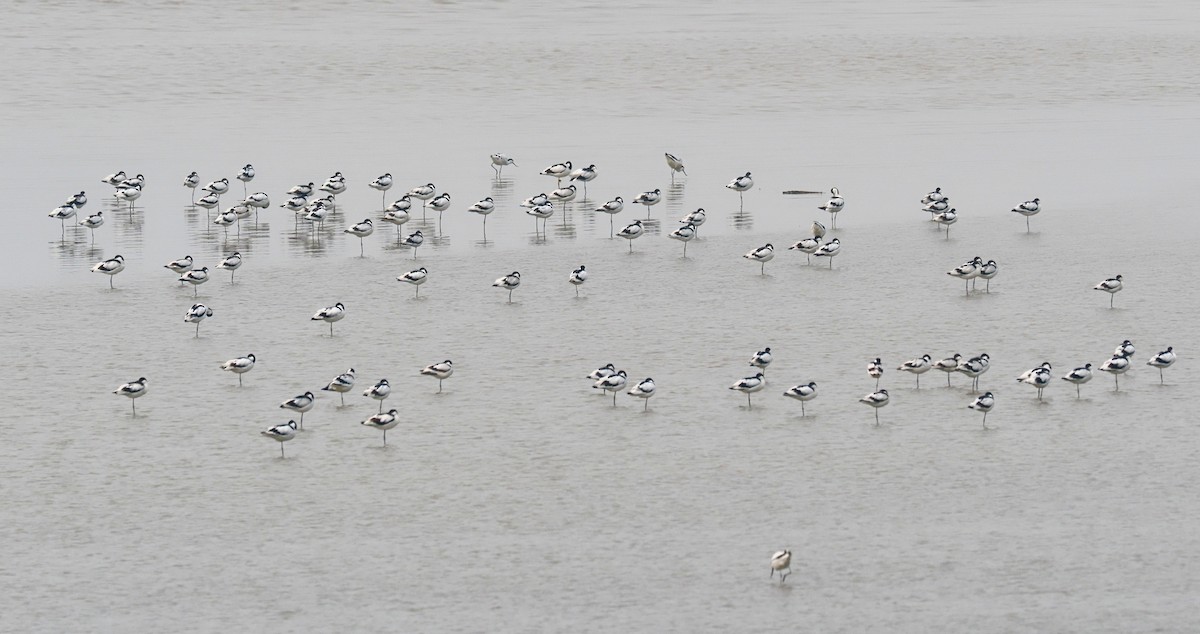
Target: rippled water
[[519, 499]]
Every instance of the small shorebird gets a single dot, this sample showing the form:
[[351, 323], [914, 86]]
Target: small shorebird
[[110, 267], [762, 359], [875, 371], [984, 403], [748, 385], [684, 234], [133, 390], [830, 250], [876, 399], [1027, 209], [195, 277], [239, 366], [231, 264], [301, 403], [341, 384], [382, 184], [919, 366], [649, 199], [948, 365], [802, 393], [509, 283], [196, 314], [631, 232], [379, 392], [835, 204], [612, 208], [1079, 376], [1116, 366], [781, 562], [499, 160], [611, 383], [330, 314], [675, 164], [282, 433], [578, 277], [384, 421], [762, 255], [558, 171], [1112, 286], [741, 184], [360, 231], [416, 278], [440, 371], [1162, 361], [644, 391]]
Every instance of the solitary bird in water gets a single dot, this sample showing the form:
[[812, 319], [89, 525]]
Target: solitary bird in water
[[132, 390], [301, 403], [984, 404], [781, 562], [1162, 361], [110, 267], [1079, 376], [876, 400], [762, 255], [416, 278], [196, 314], [919, 366], [379, 392], [833, 206], [741, 184], [802, 393], [383, 421], [1027, 209], [644, 390], [1112, 286], [341, 384], [499, 160], [578, 277], [675, 164], [748, 385]]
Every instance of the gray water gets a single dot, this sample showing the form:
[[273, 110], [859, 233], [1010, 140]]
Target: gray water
[[518, 499]]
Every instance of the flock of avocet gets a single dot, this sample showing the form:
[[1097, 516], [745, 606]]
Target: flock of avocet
[[307, 202], [310, 206]]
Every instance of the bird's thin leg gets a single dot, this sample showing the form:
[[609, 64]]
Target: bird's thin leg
[[614, 398], [343, 395], [381, 411], [1026, 224], [748, 403], [631, 246], [197, 330], [647, 405], [802, 414], [281, 455], [134, 404], [331, 329], [1117, 378], [385, 438], [1160, 376], [439, 386], [876, 415], [947, 379], [239, 380], [1076, 390]]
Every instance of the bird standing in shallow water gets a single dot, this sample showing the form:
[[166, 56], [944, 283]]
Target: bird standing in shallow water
[[132, 390], [1079, 376], [341, 384], [676, 165], [110, 267], [919, 366], [1162, 361], [611, 383], [875, 370], [631, 232], [802, 393], [383, 421], [762, 255], [741, 184], [330, 314], [379, 392], [509, 283], [578, 277], [983, 403], [1027, 209], [1112, 286], [239, 366], [876, 399], [748, 385], [499, 160], [301, 403], [781, 562], [282, 433], [416, 278], [440, 371], [644, 390]]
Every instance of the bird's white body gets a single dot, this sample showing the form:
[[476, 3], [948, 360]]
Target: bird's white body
[[578, 276], [563, 194], [781, 562], [602, 372], [643, 390], [440, 371], [180, 266], [741, 183], [383, 183], [483, 207], [675, 164], [195, 277], [281, 433], [829, 250], [558, 171], [330, 314], [423, 192], [761, 255], [611, 383]]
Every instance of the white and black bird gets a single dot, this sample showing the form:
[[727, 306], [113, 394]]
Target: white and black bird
[[1027, 209], [602, 372], [975, 367], [281, 433], [612, 208], [423, 192], [966, 272], [1162, 361], [540, 212], [231, 263], [129, 195], [584, 175], [1126, 349], [876, 399], [830, 250], [302, 403], [1116, 366], [192, 181], [945, 219], [499, 160], [397, 213], [649, 199], [335, 184], [578, 277], [330, 314], [196, 314], [296, 204], [217, 187], [933, 196], [762, 359], [936, 207], [1038, 377], [675, 164], [695, 218], [246, 175], [987, 272], [535, 201], [509, 283], [631, 232], [132, 390], [382, 184], [195, 277], [440, 371], [413, 241], [360, 231], [1112, 286], [781, 562], [379, 392], [643, 390], [875, 370], [180, 266], [562, 196], [416, 278], [684, 234], [341, 384], [611, 383], [919, 366], [818, 230], [383, 420], [1078, 377], [439, 203], [748, 385], [762, 255], [835, 204], [949, 365], [239, 366], [484, 208], [807, 246], [741, 185], [114, 179], [802, 393], [984, 403], [110, 267], [303, 191], [92, 222], [63, 213], [558, 171]]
